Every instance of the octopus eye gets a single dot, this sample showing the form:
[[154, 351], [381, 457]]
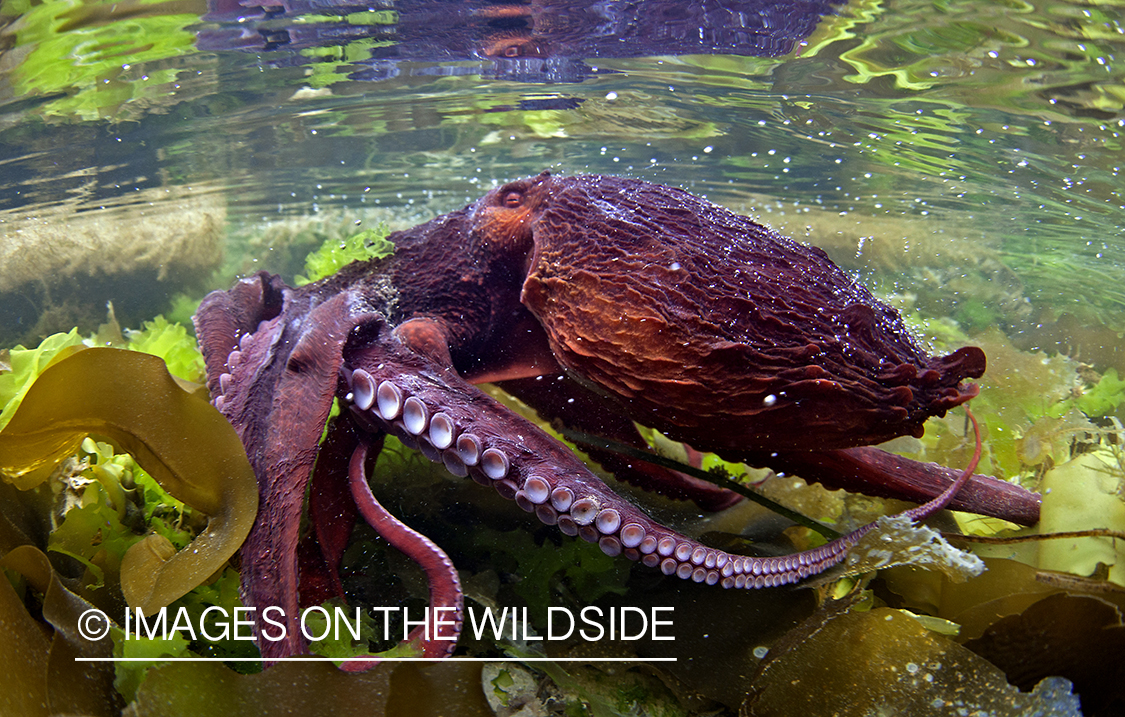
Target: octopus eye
[[513, 199], [513, 51]]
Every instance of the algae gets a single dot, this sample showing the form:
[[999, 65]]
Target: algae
[[172, 231], [516, 690], [212, 690], [159, 337], [131, 399], [1078, 637], [172, 343], [61, 264], [1084, 492], [586, 571], [25, 365], [886, 662], [283, 245], [109, 512], [333, 256], [41, 668]]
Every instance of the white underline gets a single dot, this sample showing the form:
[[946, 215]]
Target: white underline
[[376, 659]]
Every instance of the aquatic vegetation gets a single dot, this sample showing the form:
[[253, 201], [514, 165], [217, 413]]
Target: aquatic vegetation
[[111, 393], [19, 366], [1077, 637], [23, 366], [580, 689], [59, 265], [1085, 492], [172, 343], [284, 245], [42, 676], [107, 504], [883, 659], [134, 540], [213, 690], [1100, 399], [335, 255]]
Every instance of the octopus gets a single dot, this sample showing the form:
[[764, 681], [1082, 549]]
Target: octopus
[[602, 302]]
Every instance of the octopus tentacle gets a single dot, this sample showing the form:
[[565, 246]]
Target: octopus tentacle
[[875, 472], [438, 636], [836, 550], [557, 397], [522, 463], [298, 359], [331, 514]]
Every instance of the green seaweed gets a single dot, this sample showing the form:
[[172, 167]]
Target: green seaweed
[[222, 593], [185, 642], [180, 439], [171, 342], [1099, 400], [335, 255], [130, 675], [107, 502], [25, 365], [158, 337], [339, 643], [185, 689], [182, 310]]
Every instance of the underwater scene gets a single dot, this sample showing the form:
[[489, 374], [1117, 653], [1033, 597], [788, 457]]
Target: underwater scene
[[560, 357]]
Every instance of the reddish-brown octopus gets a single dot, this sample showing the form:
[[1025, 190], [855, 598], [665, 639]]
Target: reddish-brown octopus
[[599, 301]]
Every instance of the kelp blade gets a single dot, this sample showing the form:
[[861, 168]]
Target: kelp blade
[[130, 399]]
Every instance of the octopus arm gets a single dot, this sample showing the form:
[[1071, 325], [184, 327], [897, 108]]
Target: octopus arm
[[872, 471], [427, 406], [560, 398], [291, 354]]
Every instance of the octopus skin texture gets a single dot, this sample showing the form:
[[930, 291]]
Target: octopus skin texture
[[599, 301]]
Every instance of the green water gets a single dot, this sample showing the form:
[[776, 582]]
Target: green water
[[963, 158]]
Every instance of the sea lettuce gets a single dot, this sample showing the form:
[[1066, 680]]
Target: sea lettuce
[[24, 366], [334, 255], [171, 342]]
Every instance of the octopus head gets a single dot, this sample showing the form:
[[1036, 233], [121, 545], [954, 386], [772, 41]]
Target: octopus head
[[503, 219]]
